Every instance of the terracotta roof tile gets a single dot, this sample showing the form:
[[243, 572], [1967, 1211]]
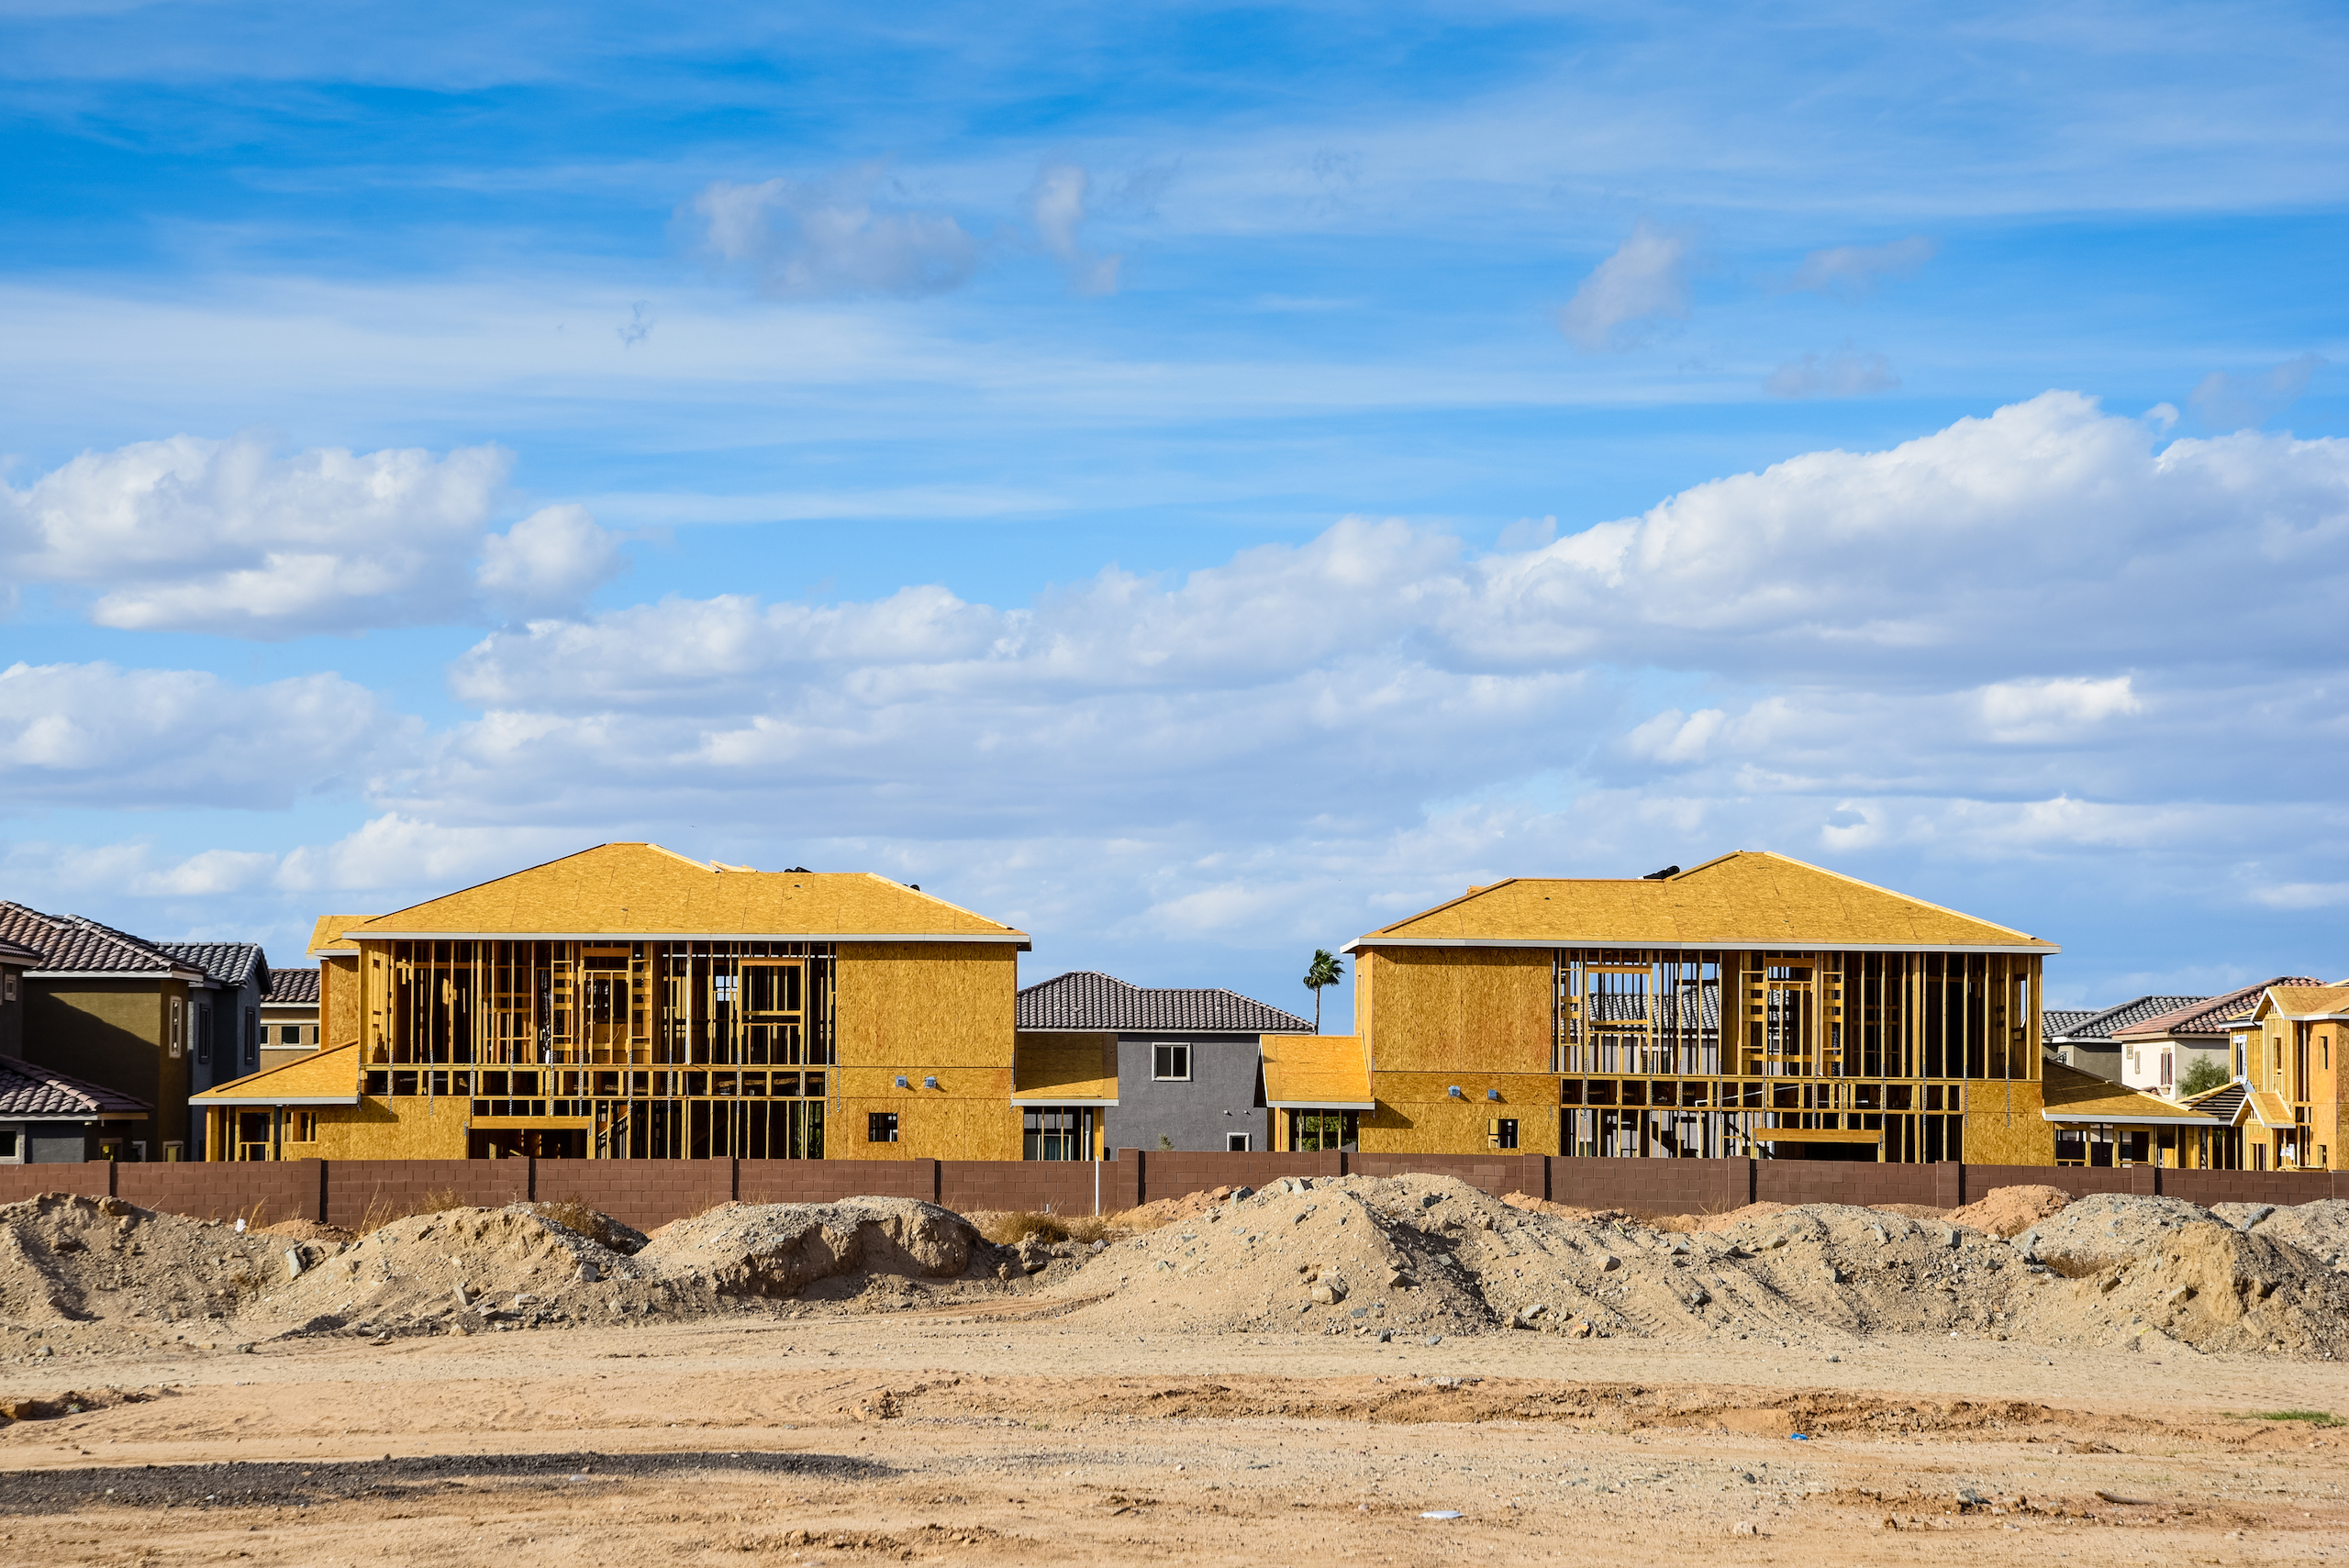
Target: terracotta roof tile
[[1085, 999], [2208, 1015], [30, 1092]]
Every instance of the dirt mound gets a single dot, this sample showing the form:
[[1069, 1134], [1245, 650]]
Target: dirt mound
[[69, 1259], [1564, 1210], [780, 1250], [308, 1231], [1167, 1210], [2008, 1211], [2320, 1229], [463, 1267]]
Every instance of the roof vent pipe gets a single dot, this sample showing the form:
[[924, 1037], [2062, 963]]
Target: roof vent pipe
[[1659, 875]]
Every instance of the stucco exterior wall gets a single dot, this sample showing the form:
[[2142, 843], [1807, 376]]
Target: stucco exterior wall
[[1199, 1114], [115, 1032]]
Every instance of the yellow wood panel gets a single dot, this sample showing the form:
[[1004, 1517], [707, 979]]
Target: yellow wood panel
[[1079, 1066], [931, 1127], [339, 1009], [1456, 1127], [1438, 1007], [919, 1006], [374, 1130], [2003, 1125]]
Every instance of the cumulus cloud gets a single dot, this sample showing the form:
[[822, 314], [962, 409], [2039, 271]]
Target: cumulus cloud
[[832, 238], [1851, 270], [550, 561], [2224, 402], [1057, 207], [229, 537], [96, 735], [1644, 281], [1843, 374]]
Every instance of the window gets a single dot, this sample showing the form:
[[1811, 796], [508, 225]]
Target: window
[[1504, 1133], [1170, 1060], [203, 1031], [253, 1038], [1319, 1133], [1054, 1133], [305, 1126], [1235, 1144], [8, 1146], [289, 1034], [880, 1127], [178, 1025], [314, 1034], [8, 987], [2165, 1069]]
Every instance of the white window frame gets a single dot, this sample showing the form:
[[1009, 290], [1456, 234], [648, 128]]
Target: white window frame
[[1238, 1142], [1157, 1046]]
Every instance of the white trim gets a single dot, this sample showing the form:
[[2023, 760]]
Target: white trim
[[200, 1101], [2197, 1118], [1077, 1100], [1735, 944], [373, 936], [1322, 1104], [193, 977]]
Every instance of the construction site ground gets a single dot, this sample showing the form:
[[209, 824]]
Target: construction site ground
[[1043, 1417]]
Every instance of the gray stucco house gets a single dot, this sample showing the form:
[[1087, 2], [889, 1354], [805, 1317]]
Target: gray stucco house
[[1188, 1071]]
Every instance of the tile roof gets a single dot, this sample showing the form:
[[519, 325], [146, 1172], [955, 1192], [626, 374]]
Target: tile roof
[[70, 942], [1745, 899], [2054, 1021], [294, 987], [30, 1092], [645, 891], [1085, 999], [18, 953], [2209, 1014], [2224, 1103], [2104, 1023], [230, 964]]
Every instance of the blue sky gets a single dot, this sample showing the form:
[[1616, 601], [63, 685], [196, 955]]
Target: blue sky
[[1195, 482]]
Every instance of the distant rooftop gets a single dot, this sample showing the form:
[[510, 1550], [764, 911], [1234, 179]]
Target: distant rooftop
[[1085, 999]]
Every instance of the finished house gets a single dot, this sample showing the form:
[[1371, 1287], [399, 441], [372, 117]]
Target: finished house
[[2088, 1041], [1752, 1004], [2163, 1048], [627, 1002], [289, 1016], [1180, 1065]]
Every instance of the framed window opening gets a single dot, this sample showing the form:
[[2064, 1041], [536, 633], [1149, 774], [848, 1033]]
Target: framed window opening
[[1170, 1062]]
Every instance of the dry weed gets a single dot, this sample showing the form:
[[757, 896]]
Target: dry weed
[[1009, 1228], [383, 1211]]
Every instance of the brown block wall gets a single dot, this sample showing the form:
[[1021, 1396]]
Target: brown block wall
[[94, 1179], [1178, 1174], [642, 1192], [2080, 1180], [1498, 1174], [286, 1189], [1652, 1186], [354, 1187], [2207, 1187], [828, 1181], [1061, 1186], [1862, 1181]]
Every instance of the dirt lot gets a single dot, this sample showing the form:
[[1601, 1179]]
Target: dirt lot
[[1178, 1396]]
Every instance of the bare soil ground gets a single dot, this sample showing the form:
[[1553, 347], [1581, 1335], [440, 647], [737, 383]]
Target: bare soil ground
[[868, 1383]]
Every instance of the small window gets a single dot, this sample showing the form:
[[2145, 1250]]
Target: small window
[[1170, 1060], [880, 1127], [314, 1034], [305, 1126], [1235, 1144], [1505, 1133], [9, 1145], [289, 1034], [8, 986]]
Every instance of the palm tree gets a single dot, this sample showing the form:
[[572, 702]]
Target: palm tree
[[1325, 970]]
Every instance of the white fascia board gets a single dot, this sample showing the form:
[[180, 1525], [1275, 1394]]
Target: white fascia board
[[1062, 1100], [192, 975], [1726, 944], [2192, 1118], [1322, 1104], [201, 1101]]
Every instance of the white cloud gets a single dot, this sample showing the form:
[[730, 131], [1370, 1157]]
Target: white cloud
[[1057, 207], [1645, 279], [2027, 711], [1846, 373], [828, 239], [550, 561], [2224, 402], [1849, 269], [228, 537], [93, 735]]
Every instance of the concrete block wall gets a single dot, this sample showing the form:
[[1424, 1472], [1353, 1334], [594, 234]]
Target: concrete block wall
[[642, 1192], [1656, 1186], [267, 1192], [2207, 1187], [828, 1181], [1172, 1174], [1061, 1187], [354, 1188], [95, 1179], [1853, 1181]]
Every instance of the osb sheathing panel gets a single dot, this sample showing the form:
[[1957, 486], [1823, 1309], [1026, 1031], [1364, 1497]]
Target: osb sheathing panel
[[1439, 1006], [929, 1126], [1303, 1069], [327, 934], [420, 1129], [1745, 898], [990, 1085], [1455, 1127], [1074, 1066], [642, 888], [917, 1007], [2070, 1092], [339, 1006], [2003, 1125], [334, 1071]]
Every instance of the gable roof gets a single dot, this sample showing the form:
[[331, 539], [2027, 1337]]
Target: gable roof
[[230, 964], [1748, 898], [327, 936], [2068, 1094], [2225, 1104], [328, 1077], [2055, 1021], [71, 944], [1087, 1000], [293, 987], [2210, 1015], [30, 1092], [644, 892], [2304, 1001], [2105, 1021]]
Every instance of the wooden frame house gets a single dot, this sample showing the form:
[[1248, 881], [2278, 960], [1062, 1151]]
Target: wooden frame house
[[627, 1002], [1751, 1006]]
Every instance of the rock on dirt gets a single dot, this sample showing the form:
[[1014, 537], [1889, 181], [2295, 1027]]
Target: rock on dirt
[[2008, 1211], [2320, 1229], [779, 1249], [70, 1259]]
